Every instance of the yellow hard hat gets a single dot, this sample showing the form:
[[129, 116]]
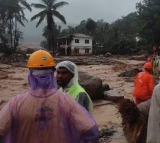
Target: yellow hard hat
[[40, 59]]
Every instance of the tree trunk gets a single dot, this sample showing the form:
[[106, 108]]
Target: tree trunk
[[15, 34], [50, 27], [11, 32]]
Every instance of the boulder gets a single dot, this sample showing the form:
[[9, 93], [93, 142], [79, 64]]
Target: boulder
[[144, 108], [130, 73], [92, 84], [112, 95], [29, 51]]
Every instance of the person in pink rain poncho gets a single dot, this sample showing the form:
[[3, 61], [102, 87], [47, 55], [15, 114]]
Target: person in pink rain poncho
[[44, 114]]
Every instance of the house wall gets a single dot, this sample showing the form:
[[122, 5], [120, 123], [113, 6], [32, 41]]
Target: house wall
[[82, 42], [82, 47]]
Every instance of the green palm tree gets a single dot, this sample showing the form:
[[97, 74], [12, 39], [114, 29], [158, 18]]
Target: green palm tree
[[49, 11], [12, 11]]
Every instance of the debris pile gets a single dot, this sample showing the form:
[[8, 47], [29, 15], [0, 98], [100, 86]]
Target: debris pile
[[141, 57], [130, 73], [106, 134], [112, 95], [89, 60], [134, 122], [14, 58]]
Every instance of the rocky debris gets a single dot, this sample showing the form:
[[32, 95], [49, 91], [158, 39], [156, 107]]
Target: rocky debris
[[18, 57], [29, 51], [14, 58], [130, 73], [106, 134], [92, 84], [120, 66], [139, 57], [144, 107], [30, 45], [4, 76], [112, 95], [21, 56], [101, 103], [108, 54], [94, 87], [105, 87], [88, 60]]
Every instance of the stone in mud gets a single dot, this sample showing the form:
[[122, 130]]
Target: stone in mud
[[130, 73], [92, 84], [144, 108], [112, 95], [105, 87]]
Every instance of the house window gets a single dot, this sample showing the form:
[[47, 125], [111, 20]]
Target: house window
[[87, 51], [76, 51], [86, 41], [76, 40]]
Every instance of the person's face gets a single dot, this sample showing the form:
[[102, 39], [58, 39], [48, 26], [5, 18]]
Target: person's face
[[63, 76]]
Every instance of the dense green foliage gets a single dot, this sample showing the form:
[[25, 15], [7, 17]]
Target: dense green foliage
[[117, 38], [148, 20], [11, 12]]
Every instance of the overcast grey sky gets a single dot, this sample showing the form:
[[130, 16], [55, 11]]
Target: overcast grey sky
[[78, 10]]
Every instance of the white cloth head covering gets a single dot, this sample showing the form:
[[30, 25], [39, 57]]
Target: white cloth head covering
[[72, 68]]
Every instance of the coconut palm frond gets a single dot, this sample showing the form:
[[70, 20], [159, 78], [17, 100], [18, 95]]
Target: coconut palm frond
[[38, 15], [40, 20], [36, 5], [59, 4], [19, 20], [44, 2], [26, 5], [24, 18], [47, 2], [19, 11], [59, 16]]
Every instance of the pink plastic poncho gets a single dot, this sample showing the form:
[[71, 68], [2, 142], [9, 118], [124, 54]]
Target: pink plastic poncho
[[45, 115]]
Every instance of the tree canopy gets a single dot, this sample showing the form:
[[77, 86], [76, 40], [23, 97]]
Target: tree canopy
[[148, 19], [11, 12]]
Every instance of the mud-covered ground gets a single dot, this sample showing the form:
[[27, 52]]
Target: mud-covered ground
[[13, 81]]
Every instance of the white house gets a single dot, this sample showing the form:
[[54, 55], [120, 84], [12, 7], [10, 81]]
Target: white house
[[77, 44]]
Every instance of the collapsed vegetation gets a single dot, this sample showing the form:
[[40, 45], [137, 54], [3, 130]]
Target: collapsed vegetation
[[134, 122]]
